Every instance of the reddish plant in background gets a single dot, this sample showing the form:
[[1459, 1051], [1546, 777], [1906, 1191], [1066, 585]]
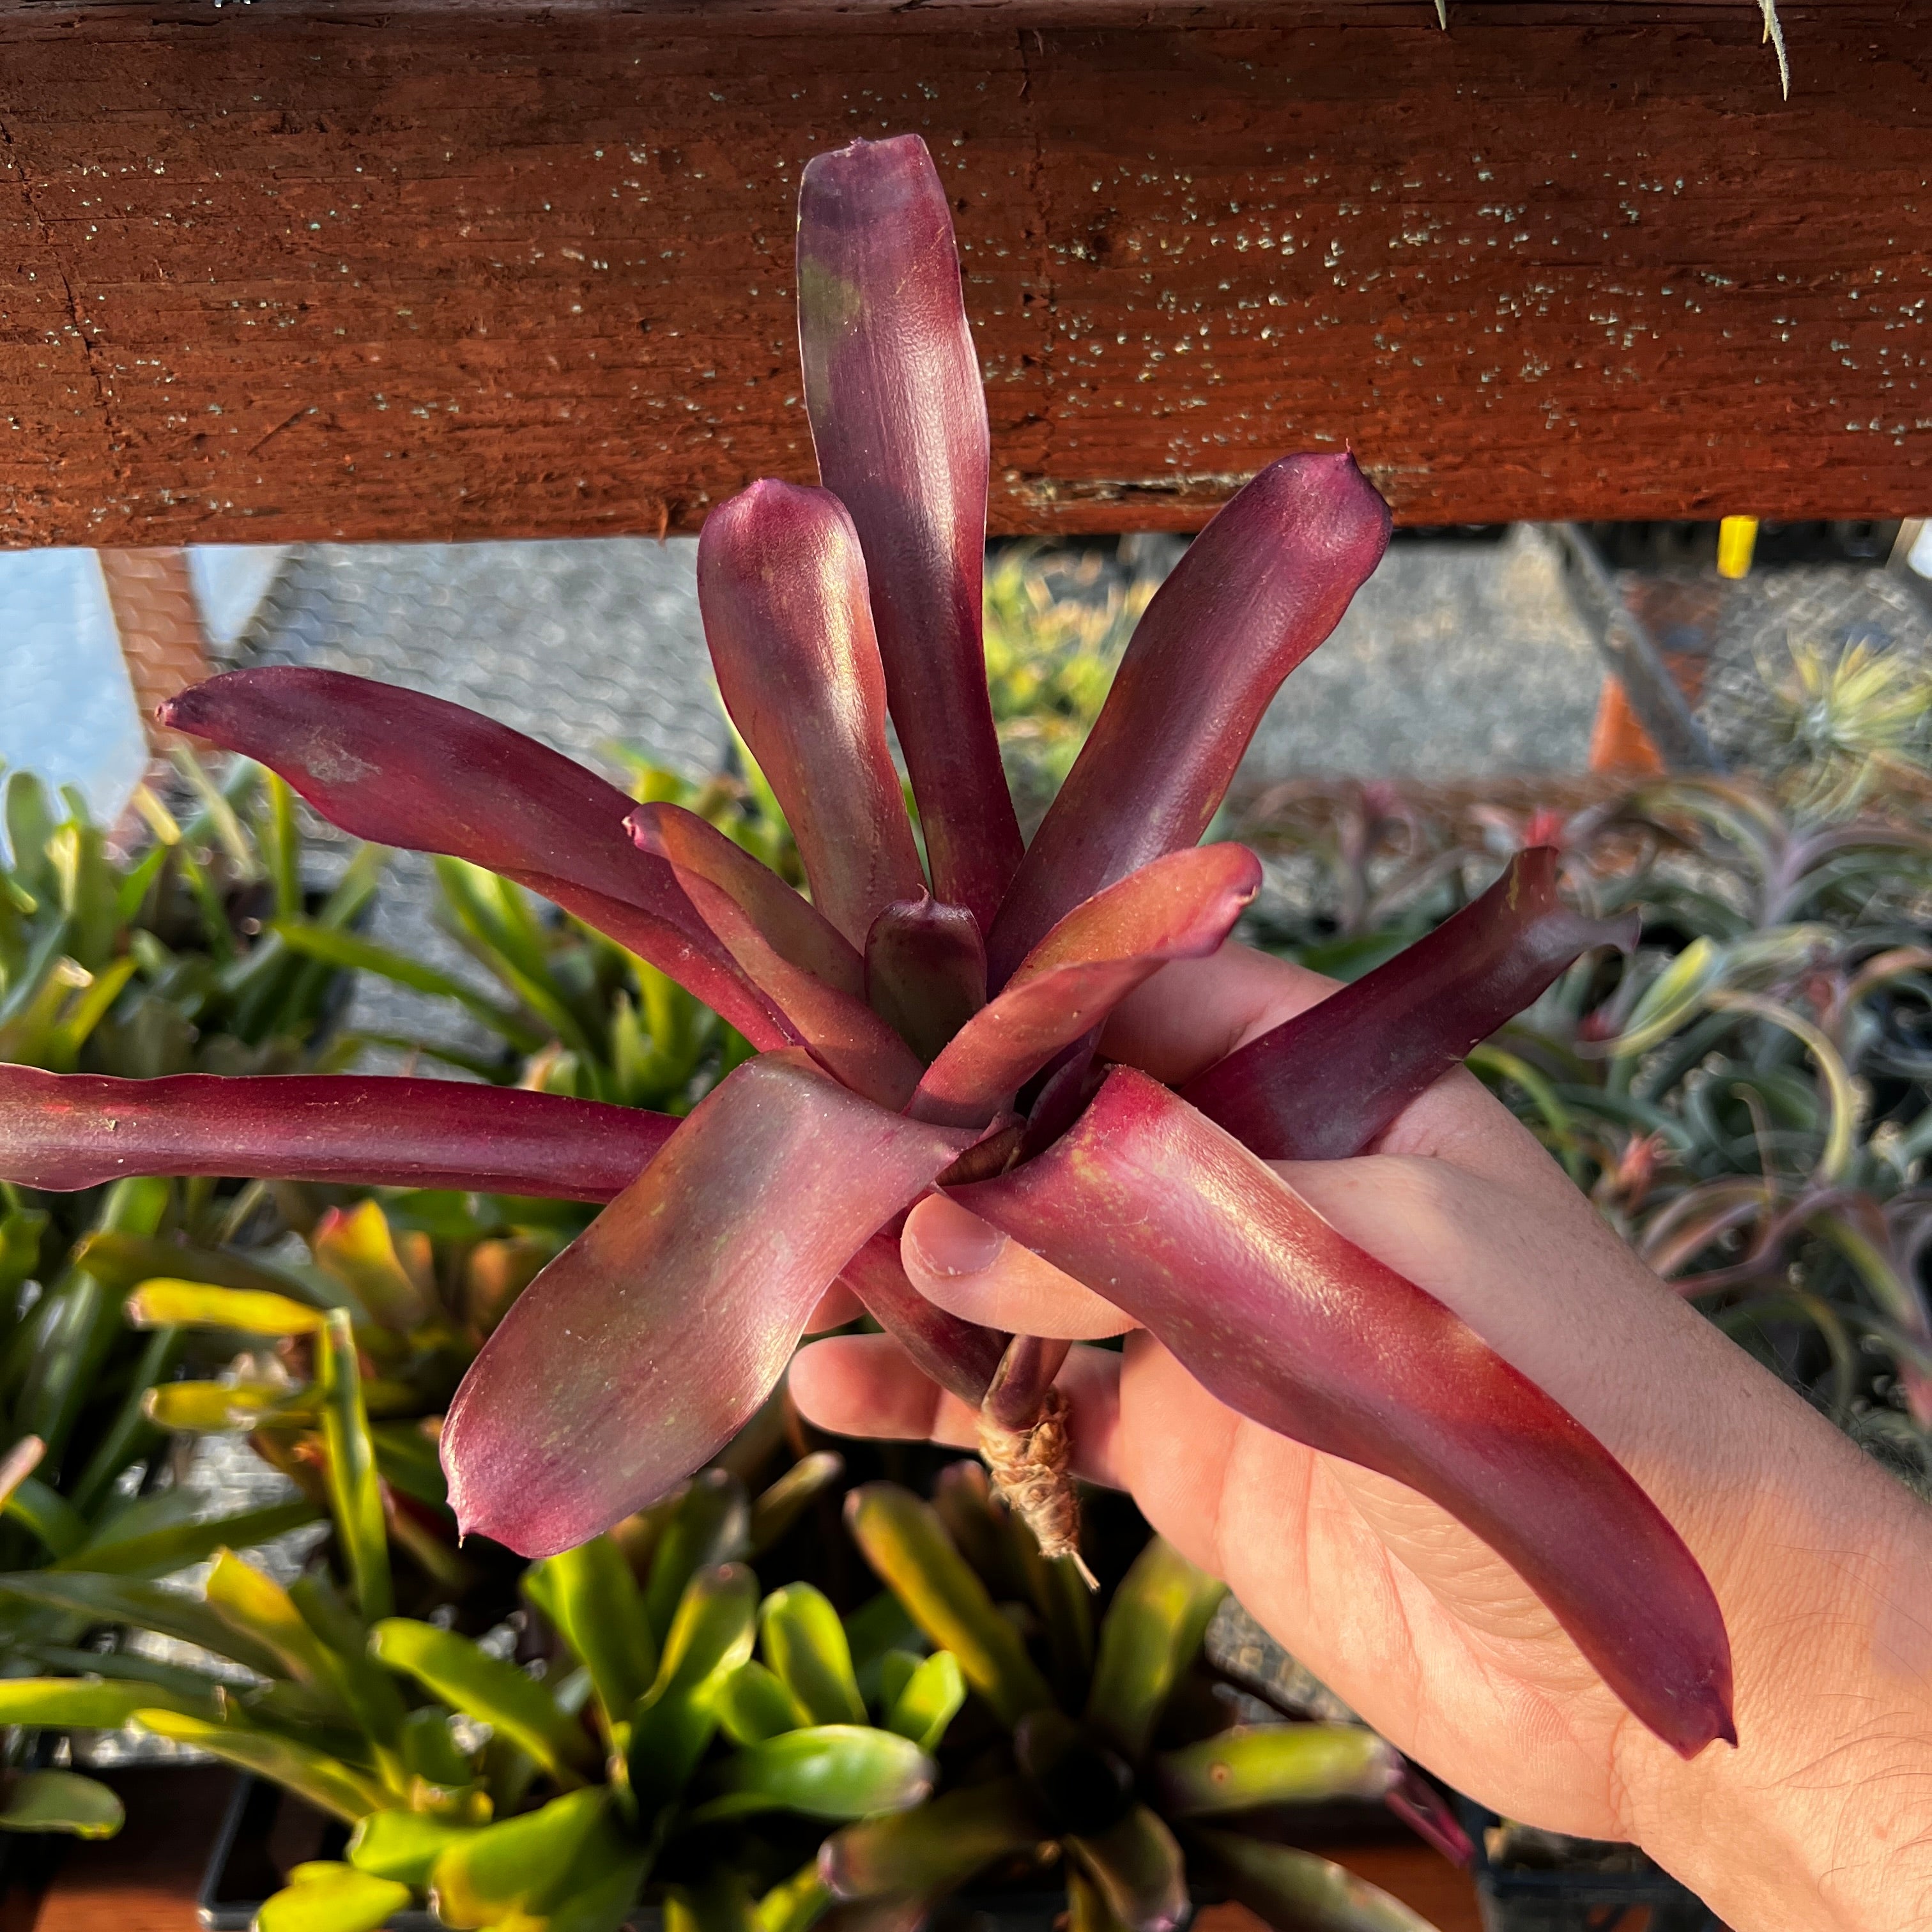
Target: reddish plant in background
[[912, 1038]]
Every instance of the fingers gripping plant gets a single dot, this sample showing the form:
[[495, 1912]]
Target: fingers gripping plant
[[924, 1024]]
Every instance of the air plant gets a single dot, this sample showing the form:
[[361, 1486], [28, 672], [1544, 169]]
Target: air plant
[[1854, 727], [479, 1781], [1749, 1100], [929, 1018], [1749, 1106], [1119, 1764]]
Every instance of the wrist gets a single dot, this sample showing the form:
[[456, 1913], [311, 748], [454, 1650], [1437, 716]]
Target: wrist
[[1821, 1820]]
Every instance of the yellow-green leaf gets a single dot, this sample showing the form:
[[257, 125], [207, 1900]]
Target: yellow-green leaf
[[170, 1303], [402, 1845], [87, 1703], [929, 1700], [777, 1508], [489, 1690], [804, 1642], [356, 1246], [325, 1782], [568, 1863], [59, 1801], [795, 1904], [906, 1542], [355, 1490], [336, 1672], [1254, 1765], [590, 1596], [328, 1897], [208, 1409], [144, 1606], [130, 1550], [709, 1639], [830, 1771], [1152, 1631], [753, 1704], [709, 1526]]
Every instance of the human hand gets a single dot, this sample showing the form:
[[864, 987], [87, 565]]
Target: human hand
[[1821, 1818]]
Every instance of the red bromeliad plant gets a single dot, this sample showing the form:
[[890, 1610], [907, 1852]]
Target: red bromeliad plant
[[914, 1036]]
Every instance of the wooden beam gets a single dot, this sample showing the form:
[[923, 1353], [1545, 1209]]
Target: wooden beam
[[300, 270]]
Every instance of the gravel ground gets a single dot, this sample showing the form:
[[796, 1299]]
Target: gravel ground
[[1455, 660]]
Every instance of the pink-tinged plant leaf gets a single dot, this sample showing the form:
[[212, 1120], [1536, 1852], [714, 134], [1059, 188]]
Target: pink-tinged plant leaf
[[785, 945], [1322, 1085], [1260, 587], [960, 1356], [66, 1131], [403, 769], [793, 927], [1178, 907], [651, 1339], [1279, 1316], [925, 971], [892, 387], [782, 584]]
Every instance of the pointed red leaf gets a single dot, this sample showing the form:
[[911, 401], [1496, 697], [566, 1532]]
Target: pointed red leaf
[[403, 769], [645, 1345], [1322, 1085], [785, 945], [892, 387], [1260, 587], [66, 1131], [925, 971], [1274, 1313], [1178, 907], [781, 583], [795, 928], [960, 1356]]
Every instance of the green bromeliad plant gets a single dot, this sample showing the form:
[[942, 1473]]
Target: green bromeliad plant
[[657, 1732], [1118, 1772], [152, 962], [82, 1484], [171, 958], [422, 1280]]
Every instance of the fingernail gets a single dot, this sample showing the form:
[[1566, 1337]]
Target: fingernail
[[950, 1241]]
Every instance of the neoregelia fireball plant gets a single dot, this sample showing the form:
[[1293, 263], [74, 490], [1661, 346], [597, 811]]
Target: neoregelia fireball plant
[[913, 1037]]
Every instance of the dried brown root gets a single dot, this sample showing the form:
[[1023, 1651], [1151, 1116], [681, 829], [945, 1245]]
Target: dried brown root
[[1029, 1467]]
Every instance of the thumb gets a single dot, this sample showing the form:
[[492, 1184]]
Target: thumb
[[971, 1269]]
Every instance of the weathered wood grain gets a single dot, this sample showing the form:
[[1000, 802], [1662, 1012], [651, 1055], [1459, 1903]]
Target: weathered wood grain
[[297, 270]]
